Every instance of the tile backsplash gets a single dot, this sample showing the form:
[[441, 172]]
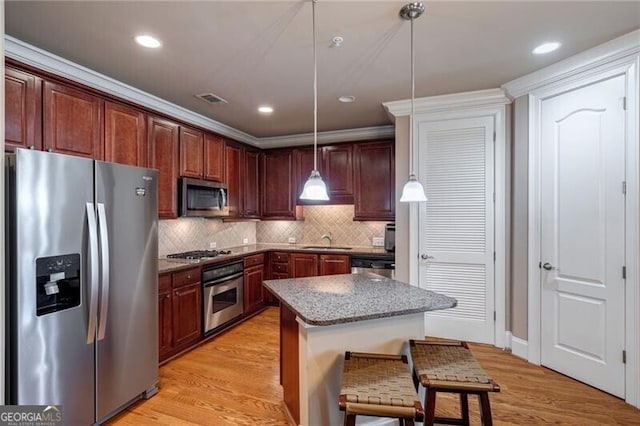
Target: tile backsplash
[[318, 220], [186, 234]]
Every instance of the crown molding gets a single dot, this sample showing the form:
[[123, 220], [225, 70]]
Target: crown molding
[[47, 61], [613, 50], [442, 103], [336, 136]]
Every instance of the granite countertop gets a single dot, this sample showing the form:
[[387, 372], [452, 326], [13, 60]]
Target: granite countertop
[[239, 252], [336, 299]]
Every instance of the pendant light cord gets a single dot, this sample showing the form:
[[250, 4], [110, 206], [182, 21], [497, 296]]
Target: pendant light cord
[[413, 90], [315, 90]]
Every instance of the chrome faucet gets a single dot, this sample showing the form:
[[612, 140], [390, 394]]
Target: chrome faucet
[[328, 236]]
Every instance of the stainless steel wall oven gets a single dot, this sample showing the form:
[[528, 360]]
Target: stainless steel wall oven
[[222, 294]]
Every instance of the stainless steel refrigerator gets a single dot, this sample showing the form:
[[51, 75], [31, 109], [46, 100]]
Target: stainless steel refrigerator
[[82, 265]]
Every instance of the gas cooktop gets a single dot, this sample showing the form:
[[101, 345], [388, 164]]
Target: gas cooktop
[[197, 255]]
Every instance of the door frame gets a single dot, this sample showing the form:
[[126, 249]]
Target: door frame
[[627, 66], [461, 106]]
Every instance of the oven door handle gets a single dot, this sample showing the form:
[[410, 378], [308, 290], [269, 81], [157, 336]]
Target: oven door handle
[[223, 279]]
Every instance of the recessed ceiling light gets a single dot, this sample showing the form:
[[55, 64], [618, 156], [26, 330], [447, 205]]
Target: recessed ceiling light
[[546, 48], [347, 99], [148, 41], [265, 109]]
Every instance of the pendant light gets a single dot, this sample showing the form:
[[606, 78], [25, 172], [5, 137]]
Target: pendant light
[[413, 192], [314, 187]]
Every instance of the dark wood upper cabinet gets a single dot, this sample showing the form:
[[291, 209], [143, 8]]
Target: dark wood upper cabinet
[[163, 136], [374, 195], [337, 172], [234, 175], [191, 153], [251, 193], [72, 121], [278, 198], [303, 265], [213, 158], [125, 135], [332, 264], [23, 110]]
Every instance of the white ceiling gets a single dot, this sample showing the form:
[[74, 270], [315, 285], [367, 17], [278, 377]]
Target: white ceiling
[[260, 52]]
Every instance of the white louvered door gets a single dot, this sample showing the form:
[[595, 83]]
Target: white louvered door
[[456, 225]]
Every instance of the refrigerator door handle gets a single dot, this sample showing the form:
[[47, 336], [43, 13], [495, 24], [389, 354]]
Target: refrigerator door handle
[[93, 273], [104, 260]]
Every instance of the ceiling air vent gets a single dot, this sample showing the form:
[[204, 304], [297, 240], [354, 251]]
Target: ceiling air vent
[[210, 98]]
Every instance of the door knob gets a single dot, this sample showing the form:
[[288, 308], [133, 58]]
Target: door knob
[[547, 266], [426, 257]]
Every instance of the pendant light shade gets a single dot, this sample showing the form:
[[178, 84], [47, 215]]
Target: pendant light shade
[[413, 192], [314, 187]]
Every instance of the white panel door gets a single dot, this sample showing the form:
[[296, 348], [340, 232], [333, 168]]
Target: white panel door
[[583, 234], [456, 225]]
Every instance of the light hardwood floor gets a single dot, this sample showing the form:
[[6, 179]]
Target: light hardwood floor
[[234, 380]]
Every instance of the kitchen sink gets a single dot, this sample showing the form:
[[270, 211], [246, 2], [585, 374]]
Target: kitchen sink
[[326, 248]]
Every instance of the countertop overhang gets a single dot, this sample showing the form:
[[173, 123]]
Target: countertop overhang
[[337, 299]]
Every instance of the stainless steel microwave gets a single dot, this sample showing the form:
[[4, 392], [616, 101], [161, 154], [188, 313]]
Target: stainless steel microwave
[[201, 198]]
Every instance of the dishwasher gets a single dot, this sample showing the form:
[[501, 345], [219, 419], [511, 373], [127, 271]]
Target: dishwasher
[[377, 265]]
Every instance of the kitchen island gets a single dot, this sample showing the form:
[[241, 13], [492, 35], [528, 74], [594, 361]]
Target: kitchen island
[[322, 317]]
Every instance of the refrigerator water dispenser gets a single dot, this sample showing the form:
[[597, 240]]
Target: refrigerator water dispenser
[[57, 283]]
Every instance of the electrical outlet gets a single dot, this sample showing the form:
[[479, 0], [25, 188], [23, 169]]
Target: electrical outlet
[[212, 245], [245, 241], [378, 241], [292, 240]]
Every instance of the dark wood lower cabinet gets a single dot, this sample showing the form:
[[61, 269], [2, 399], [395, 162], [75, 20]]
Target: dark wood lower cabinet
[[187, 314], [165, 317], [179, 311], [253, 277], [303, 265], [332, 264]]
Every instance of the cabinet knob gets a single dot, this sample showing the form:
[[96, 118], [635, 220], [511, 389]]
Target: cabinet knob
[[178, 293], [166, 296], [32, 147], [188, 277], [50, 149]]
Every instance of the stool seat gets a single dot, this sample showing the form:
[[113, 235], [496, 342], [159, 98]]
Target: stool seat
[[378, 385], [449, 366]]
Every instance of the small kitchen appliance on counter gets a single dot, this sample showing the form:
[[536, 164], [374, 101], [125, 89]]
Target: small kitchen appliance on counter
[[390, 237]]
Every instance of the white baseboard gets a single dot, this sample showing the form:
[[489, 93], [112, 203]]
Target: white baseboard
[[520, 347]]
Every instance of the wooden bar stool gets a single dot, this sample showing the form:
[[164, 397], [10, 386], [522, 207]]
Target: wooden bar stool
[[378, 385], [449, 366]]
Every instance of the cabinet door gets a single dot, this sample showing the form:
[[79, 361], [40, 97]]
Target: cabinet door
[[278, 200], [338, 173], [125, 135], [253, 295], [234, 174], [191, 153], [213, 158], [251, 194], [331, 264], [187, 314], [163, 155], [165, 324], [375, 181], [303, 265], [165, 320], [23, 110], [72, 121]]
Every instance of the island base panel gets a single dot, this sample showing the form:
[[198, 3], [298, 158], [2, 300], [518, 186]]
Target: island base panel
[[321, 356]]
